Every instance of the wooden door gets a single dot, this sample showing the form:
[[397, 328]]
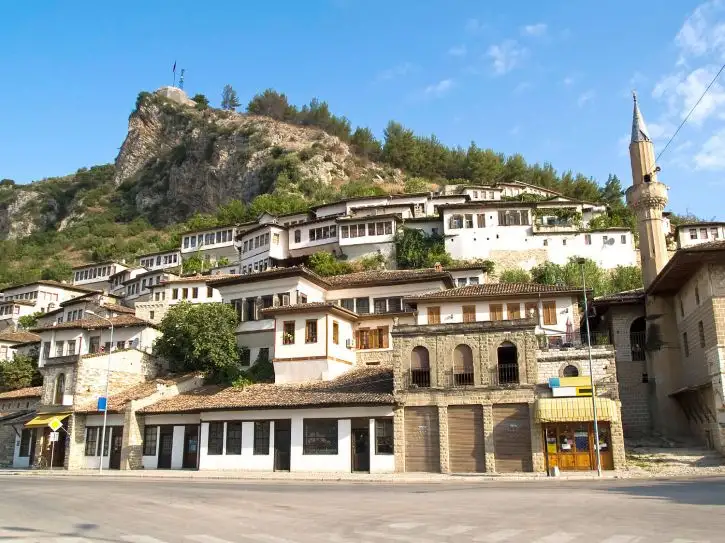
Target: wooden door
[[282, 444], [465, 438], [512, 437], [361, 449], [422, 445], [191, 446], [114, 459], [166, 446]]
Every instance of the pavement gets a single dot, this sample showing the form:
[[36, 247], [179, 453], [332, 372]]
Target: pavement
[[73, 509]]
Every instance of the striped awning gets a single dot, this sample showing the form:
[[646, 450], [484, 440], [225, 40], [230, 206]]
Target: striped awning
[[575, 409]]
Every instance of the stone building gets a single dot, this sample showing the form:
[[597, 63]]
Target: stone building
[[16, 441]]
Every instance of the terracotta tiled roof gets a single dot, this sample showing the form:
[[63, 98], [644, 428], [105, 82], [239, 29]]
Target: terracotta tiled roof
[[489, 290], [626, 296], [50, 283], [310, 306], [30, 392], [381, 277], [118, 402], [17, 302], [200, 278], [121, 321], [18, 337], [365, 386]]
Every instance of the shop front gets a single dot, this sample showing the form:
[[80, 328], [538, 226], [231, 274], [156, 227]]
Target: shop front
[[569, 438]]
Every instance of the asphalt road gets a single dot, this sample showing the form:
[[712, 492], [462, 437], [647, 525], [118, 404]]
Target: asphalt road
[[79, 510]]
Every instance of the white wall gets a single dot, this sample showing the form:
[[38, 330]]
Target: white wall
[[703, 234], [91, 462], [19, 461], [305, 236]]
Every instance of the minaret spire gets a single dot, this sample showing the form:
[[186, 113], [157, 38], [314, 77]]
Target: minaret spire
[[639, 129]]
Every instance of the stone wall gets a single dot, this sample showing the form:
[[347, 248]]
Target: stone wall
[[526, 259], [7, 446], [552, 363], [374, 358]]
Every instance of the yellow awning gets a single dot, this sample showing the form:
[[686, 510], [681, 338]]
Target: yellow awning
[[575, 410], [43, 420]]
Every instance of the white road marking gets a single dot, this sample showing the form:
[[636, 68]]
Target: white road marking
[[132, 538], [456, 529], [558, 537], [404, 525], [624, 538], [203, 538], [497, 537]]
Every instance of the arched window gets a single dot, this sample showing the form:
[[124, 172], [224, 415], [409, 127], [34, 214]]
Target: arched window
[[462, 365], [508, 364], [570, 371], [637, 339], [59, 389], [420, 367]]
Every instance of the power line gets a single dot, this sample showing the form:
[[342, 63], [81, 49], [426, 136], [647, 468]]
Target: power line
[[690, 113]]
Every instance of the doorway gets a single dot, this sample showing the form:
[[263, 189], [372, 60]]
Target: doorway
[[114, 460], [191, 446], [360, 444], [282, 444], [166, 446], [571, 446]]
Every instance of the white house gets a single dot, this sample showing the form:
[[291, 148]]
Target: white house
[[37, 297], [262, 247], [138, 289], [697, 233], [161, 260], [75, 309], [118, 280], [13, 342], [213, 244], [96, 275]]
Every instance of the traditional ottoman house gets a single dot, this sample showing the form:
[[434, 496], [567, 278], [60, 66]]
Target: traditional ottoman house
[[17, 442], [495, 378], [16, 342]]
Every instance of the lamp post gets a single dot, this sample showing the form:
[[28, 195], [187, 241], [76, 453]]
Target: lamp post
[[108, 379], [581, 262]]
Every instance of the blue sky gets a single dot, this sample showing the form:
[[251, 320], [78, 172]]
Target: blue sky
[[550, 80]]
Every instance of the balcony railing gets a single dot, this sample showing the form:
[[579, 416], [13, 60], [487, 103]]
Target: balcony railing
[[417, 379], [637, 342], [576, 339], [505, 374], [67, 359]]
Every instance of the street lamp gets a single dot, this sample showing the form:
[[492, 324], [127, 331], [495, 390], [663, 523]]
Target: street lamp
[[582, 262], [108, 379]]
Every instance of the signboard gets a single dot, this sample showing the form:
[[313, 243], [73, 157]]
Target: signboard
[[54, 436], [55, 425], [102, 403]]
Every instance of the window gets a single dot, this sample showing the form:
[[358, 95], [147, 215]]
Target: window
[[455, 222], [693, 233], [150, 434], [311, 331], [245, 357], [58, 348], [234, 438], [495, 312], [261, 437], [420, 367], [623, 239], [362, 305], [685, 346], [549, 312], [570, 371], [72, 346], [348, 303], [344, 232], [266, 239], [371, 229], [715, 233], [703, 233], [195, 292], [384, 436], [25, 439], [209, 292], [469, 313], [513, 218], [563, 241], [379, 229], [333, 231], [335, 332], [244, 246], [92, 440], [288, 333], [461, 282], [372, 338], [174, 293], [380, 305], [216, 438], [275, 239], [587, 239], [302, 298], [481, 220], [469, 220], [395, 305], [697, 295], [513, 311], [388, 228], [434, 315], [319, 436], [701, 331]]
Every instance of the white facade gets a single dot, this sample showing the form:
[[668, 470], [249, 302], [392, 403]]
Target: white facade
[[261, 248], [160, 261], [689, 235], [139, 288], [11, 311], [44, 296], [212, 244], [96, 276], [166, 293], [117, 281]]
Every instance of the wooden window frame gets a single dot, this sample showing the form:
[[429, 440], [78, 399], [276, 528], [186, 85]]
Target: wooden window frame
[[495, 310], [384, 436], [516, 311], [336, 332], [311, 331], [549, 309], [92, 438], [288, 337], [434, 314], [469, 313]]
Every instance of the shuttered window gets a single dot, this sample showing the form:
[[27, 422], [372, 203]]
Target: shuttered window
[[434, 315], [514, 311], [469, 313], [549, 312], [495, 312], [532, 310], [372, 338]]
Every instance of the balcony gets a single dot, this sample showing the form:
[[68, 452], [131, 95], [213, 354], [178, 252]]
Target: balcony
[[575, 339], [417, 379], [637, 342], [555, 226], [503, 375], [67, 359]]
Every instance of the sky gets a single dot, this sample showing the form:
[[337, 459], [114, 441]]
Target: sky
[[550, 80]]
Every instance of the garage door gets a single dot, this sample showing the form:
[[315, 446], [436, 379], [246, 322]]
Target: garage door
[[422, 448], [512, 437], [465, 438]]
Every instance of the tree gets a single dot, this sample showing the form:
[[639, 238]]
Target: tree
[[401, 148], [57, 271], [324, 263], [201, 337], [515, 275], [19, 372], [416, 184], [7, 183], [272, 104], [193, 264], [625, 278], [230, 100], [365, 144], [415, 249], [547, 273], [611, 193], [29, 321], [202, 102]]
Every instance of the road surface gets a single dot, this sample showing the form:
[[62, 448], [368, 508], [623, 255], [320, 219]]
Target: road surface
[[86, 509]]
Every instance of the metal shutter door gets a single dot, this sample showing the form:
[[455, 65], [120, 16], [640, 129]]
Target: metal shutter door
[[512, 437], [422, 448], [465, 438]]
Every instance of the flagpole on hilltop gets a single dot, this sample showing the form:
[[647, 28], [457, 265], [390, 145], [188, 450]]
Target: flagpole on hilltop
[[174, 70]]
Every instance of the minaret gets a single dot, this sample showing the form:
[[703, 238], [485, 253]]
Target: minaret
[[647, 197]]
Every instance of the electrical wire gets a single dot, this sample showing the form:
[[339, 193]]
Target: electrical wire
[[690, 113]]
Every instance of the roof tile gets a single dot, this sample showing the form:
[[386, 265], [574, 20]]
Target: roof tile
[[121, 321], [495, 289], [30, 392], [18, 337]]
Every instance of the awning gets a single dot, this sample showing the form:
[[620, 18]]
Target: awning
[[17, 418], [43, 420], [575, 410]]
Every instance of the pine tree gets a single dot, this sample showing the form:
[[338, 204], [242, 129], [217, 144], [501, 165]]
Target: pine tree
[[230, 100]]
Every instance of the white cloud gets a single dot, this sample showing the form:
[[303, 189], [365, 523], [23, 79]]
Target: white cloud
[[401, 70], [701, 33], [537, 30], [522, 87], [436, 90], [568, 81], [458, 51], [474, 26], [506, 56], [661, 131], [515, 130], [712, 153], [681, 91], [585, 98]]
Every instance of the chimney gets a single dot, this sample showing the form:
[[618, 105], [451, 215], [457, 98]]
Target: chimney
[[438, 267]]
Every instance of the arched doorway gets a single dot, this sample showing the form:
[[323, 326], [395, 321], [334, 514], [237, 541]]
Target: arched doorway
[[462, 365], [420, 367], [59, 389], [637, 339], [508, 363], [570, 371]]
